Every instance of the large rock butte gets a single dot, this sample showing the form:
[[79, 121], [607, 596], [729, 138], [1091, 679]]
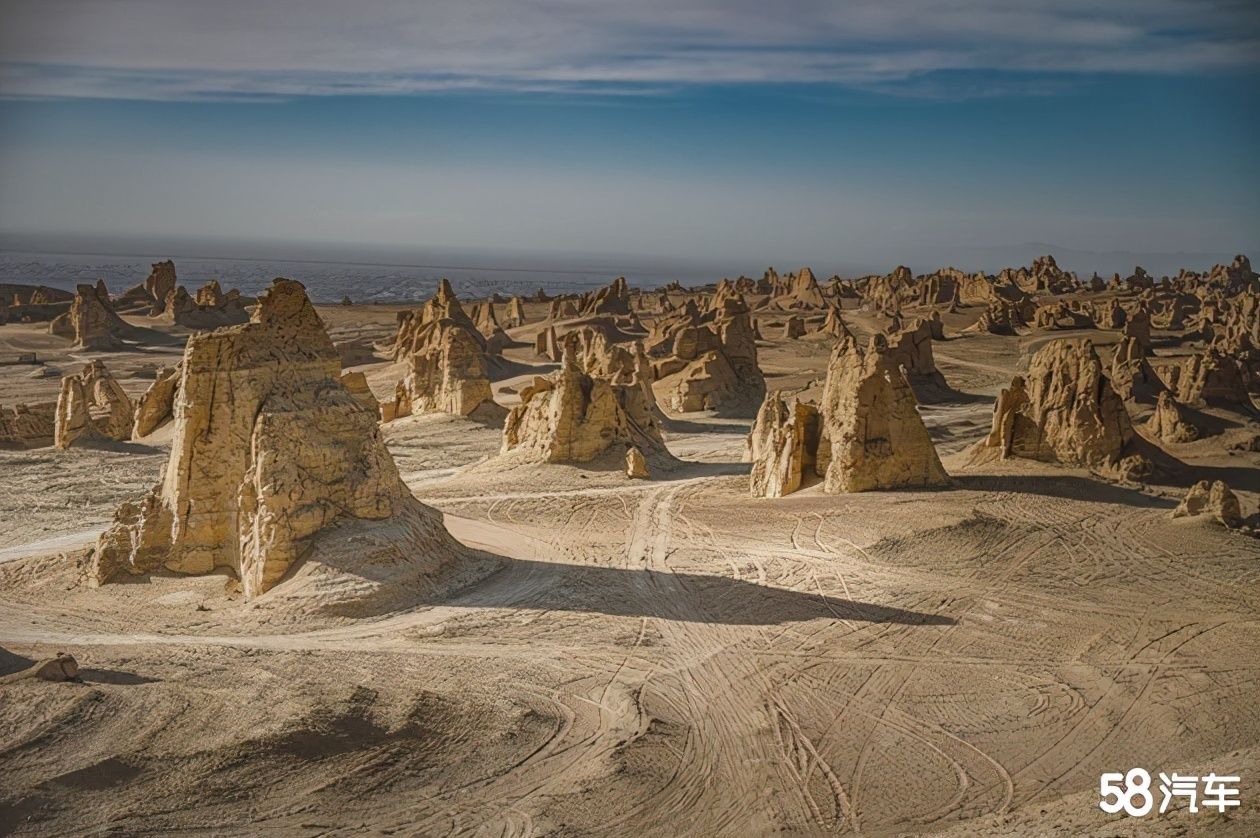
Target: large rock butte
[[270, 457]]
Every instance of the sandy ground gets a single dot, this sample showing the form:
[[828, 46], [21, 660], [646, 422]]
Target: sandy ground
[[662, 658]]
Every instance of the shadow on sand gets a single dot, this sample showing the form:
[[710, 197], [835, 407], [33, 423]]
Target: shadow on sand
[[1065, 486]]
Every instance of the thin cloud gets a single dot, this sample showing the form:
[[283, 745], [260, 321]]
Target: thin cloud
[[182, 50]]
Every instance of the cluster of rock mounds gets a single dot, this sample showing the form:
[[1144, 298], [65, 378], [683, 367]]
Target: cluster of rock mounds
[[446, 360], [866, 434], [599, 401], [32, 303], [161, 296], [708, 359], [1212, 499], [274, 460]]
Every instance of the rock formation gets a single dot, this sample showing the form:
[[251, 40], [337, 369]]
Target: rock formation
[[834, 325], [794, 327], [872, 436], [92, 406], [270, 451], [801, 292], [156, 406], [1212, 498], [911, 347], [28, 425], [573, 417], [150, 296], [91, 321], [711, 359], [1067, 413], [782, 446], [446, 367], [1169, 422], [210, 308]]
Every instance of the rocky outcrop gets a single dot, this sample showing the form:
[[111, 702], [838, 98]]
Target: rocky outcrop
[[1169, 422], [210, 308], [1066, 412], [872, 436], [794, 327], [709, 359], [801, 291], [515, 313], [446, 375], [156, 406], [1132, 375], [92, 406], [1210, 377], [445, 358], [573, 417], [912, 349], [1213, 499], [636, 464], [160, 283], [271, 456], [91, 321], [834, 325], [782, 446], [27, 425]]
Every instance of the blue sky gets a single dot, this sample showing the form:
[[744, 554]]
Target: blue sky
[[708, 129]]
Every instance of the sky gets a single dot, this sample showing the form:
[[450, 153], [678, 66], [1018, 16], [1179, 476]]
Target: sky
[[794, 131]]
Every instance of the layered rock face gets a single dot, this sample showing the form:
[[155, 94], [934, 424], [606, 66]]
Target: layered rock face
[[445, 354], [1067, 413], [872, 436], [866, 435], [92, 406], [269, 450], [91, 321], [712, 363], [156, 406], [573, 417], [1212, 498], [782, 446], [1210, 377], [612, 299]]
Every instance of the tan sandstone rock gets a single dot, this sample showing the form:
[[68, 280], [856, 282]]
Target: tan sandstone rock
[[1067, 413], [1211, 498], [92, 406], [270, 451]]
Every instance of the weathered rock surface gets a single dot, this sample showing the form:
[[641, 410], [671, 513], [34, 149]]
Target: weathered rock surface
[[92, 406], [27, 425], [1067, 413], [1212, 498], [872, 436], [91, 321], [573, 417], [447, 370], [1169, 422], [270, 454], [156, 406], [782, 446]]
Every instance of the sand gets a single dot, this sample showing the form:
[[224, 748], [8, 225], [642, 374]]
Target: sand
[[663, 658]]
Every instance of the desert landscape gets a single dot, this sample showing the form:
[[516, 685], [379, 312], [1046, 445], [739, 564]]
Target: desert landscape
[[902, 553]]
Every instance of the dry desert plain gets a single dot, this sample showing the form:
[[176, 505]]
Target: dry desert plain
[[663, 656]]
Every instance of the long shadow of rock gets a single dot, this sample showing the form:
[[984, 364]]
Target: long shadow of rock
[[684, 597]]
